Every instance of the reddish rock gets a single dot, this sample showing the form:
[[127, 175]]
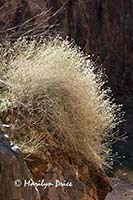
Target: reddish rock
[[63, 176], [82, 181]]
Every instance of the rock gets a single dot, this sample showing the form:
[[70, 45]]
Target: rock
[[100, 28], [12, 173], [55, 175], [70, 179], [19, 18], [122, 190]]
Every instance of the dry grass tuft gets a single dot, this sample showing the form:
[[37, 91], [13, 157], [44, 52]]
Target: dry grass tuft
[[52, 88]]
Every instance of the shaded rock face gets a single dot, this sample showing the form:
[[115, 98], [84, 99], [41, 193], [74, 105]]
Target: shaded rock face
[[12, 172], [101, 28], [82, 182], [61, 176], [20, 17], [121, 190]]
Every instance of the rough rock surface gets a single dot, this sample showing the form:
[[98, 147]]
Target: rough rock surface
[[12, 172], [83, 181], [121, 190], [53, 166]]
